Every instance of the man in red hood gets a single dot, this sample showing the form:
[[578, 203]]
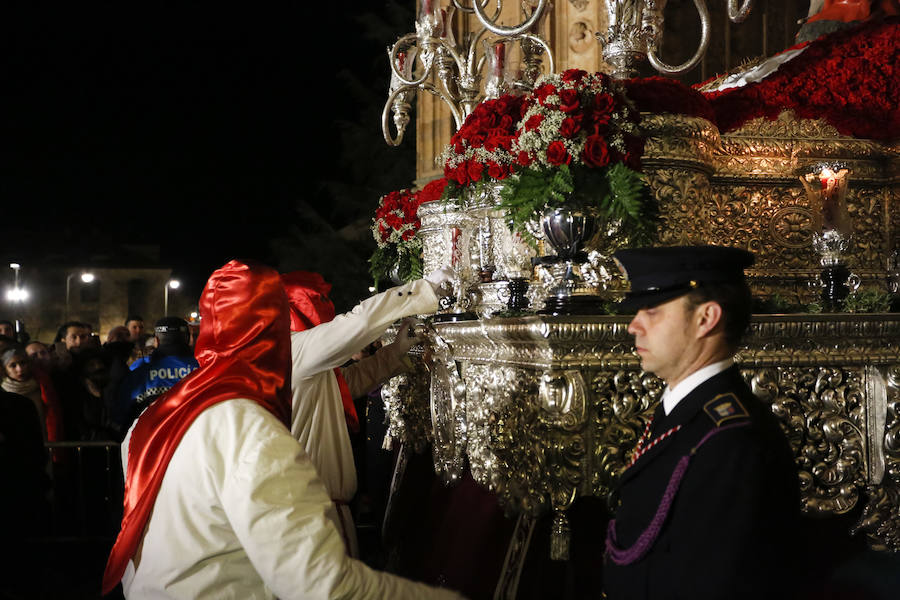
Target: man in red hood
[[322, 393], [220, 500]]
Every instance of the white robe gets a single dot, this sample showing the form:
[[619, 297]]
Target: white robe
[[317, 413], [242, 514]]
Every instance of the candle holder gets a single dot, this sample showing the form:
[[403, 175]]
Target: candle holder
[[435, 62], [635, 33], [459, 303], [826, 188]]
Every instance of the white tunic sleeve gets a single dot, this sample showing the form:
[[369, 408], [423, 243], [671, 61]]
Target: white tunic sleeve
[[331, 344]]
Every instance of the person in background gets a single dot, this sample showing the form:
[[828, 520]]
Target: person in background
[[23, 506], [709, 505], [220, 500], [39, 355], [77, 336], [7, 329], [135, 326], [322, 406], [148, 379], [119, 333], [21, 377]]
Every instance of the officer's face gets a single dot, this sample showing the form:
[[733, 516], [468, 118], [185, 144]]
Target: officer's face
[[664, 337]]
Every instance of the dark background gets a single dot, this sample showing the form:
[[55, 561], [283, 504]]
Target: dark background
[[214, 132]]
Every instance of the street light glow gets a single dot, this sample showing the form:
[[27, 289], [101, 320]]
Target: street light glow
[[17, 294], [174, 284], [15, 266], [87, 277]]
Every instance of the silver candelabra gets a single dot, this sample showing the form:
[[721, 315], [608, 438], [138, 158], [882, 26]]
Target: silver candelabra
[[635, 34], [433, 60]]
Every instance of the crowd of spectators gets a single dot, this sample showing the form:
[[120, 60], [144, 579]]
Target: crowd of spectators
[[76, 382]]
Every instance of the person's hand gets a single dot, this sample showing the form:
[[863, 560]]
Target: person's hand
[[404, 341], [440, 278]]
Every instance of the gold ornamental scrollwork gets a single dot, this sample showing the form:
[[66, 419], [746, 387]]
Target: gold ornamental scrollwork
[[625, 402]]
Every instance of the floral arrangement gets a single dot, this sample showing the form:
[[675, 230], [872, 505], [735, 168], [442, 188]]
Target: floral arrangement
[[664, 95], [847, 78], [578, 145], [481, 150], [395, 225], [398, 254]]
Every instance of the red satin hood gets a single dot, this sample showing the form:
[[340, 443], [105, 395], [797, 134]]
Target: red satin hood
[[308, 295], [244, 351]]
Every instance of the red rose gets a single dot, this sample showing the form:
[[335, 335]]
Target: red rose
[[534, 122], [474, 170], [523, 159], [604, 105], [570, 127], [596, 152], [568, 100], [496, 171], [575, 75], [432, 190], [408, 235], [543, 92], [557, 153]]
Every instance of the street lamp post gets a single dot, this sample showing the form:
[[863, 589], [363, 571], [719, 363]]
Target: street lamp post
[[16, 294], [174, 284], [86, 277]]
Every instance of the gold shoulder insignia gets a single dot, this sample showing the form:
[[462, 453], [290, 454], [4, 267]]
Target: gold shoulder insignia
[[725, 407]]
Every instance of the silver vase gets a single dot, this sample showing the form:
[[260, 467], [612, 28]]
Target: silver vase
[[568, 232]]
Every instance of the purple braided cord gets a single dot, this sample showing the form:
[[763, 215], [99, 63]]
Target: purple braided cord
[[627, 556]]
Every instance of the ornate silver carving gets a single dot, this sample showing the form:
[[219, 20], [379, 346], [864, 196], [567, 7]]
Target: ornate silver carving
[[551, 408], [636, 29], [432, 60]]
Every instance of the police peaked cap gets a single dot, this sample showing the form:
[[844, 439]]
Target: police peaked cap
[[658, 275], [171, 325]]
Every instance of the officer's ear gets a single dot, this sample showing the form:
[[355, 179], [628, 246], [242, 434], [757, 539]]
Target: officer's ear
[[707, 317]]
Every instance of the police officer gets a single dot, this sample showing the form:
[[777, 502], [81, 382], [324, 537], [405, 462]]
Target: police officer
[[709, 504], [152, 376]]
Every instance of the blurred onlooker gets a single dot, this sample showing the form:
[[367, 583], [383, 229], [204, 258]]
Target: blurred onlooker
[[83, 402], [119, 333], [154, 375], [135, 326], [6, 342], [21, 377], [76, 336], [23, 508], [39, 355], [7, 329]]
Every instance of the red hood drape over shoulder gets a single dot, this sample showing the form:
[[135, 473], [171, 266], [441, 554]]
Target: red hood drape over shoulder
[[244, 352], [310, 306], [308, 294]]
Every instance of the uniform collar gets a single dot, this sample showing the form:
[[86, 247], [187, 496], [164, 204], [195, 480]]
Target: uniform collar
[[672, 396]]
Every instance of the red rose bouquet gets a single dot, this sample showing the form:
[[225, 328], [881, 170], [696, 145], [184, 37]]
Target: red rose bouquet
[[578, 145], [398, 254], [481, 150]]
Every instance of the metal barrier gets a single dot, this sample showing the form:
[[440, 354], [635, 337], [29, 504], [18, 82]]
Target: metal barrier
[[86, 489]]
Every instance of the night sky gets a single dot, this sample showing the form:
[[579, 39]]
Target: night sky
[[197, 130]]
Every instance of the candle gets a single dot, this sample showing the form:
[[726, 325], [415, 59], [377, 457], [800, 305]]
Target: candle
[[829, 199], [499, 58]]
